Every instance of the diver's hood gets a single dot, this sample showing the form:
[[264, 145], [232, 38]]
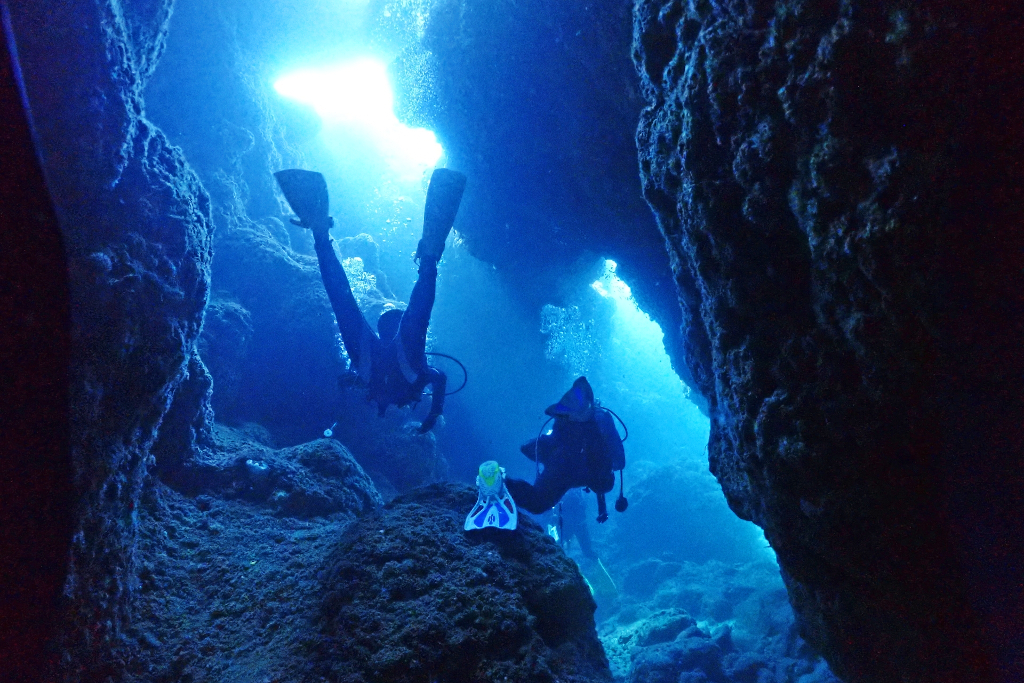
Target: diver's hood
[[577, 404]]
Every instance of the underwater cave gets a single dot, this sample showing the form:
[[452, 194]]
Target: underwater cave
[[784, 242]]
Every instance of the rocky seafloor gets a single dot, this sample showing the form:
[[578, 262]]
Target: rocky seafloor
[[286, 565]]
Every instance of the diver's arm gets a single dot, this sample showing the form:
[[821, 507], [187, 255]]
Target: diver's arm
[[438, 383], [611, 442], [532, 448]]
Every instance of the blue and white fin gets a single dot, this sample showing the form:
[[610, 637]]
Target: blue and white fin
[[494, 505]]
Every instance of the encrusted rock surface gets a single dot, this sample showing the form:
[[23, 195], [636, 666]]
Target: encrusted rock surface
[[839, 184], [235, 588], [308, 480], [410, 596], [227, 586]]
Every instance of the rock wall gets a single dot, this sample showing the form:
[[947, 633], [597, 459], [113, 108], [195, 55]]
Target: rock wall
[[137, 230], [839, 184]]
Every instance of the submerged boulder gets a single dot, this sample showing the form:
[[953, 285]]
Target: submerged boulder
[[410, 596], [724, 623], [312, 479]]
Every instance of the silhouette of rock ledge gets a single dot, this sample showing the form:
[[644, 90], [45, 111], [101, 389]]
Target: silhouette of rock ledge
[[410, 596]]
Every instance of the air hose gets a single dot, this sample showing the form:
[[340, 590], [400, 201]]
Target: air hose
[[465, 374]]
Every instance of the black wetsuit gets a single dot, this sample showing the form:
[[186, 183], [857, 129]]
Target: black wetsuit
[[394, 370], [574, 454]]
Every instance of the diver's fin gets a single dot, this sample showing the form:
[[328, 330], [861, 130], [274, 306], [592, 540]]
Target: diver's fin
[[599, 580], [444, 194], [495, 506], [306, 192], [500, 513]]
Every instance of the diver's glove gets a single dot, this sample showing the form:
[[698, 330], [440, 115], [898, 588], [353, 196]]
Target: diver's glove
[[602, 509], [428, 424]]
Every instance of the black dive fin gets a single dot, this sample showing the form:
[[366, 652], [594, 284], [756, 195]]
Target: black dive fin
[[443, 198], [306, 192]]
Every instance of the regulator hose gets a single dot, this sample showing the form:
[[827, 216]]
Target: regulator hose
[[465, 374]]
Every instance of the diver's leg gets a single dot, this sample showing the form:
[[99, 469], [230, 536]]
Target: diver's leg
[[574, 521], [582, 534], [444, 194], [355, 331], [536, 498], [413, 329]]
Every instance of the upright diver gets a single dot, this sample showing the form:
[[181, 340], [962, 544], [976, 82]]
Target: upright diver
[[393, 365], [583, 449]]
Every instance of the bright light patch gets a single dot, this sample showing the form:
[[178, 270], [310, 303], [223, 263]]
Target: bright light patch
[[637, 338], [356, 91], [357, 95], [610, 286]]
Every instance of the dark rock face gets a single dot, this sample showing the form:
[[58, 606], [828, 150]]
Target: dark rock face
[[410, 596], [137, 229], [285, 375], [224, 345], [839, 185], [36, 502]]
